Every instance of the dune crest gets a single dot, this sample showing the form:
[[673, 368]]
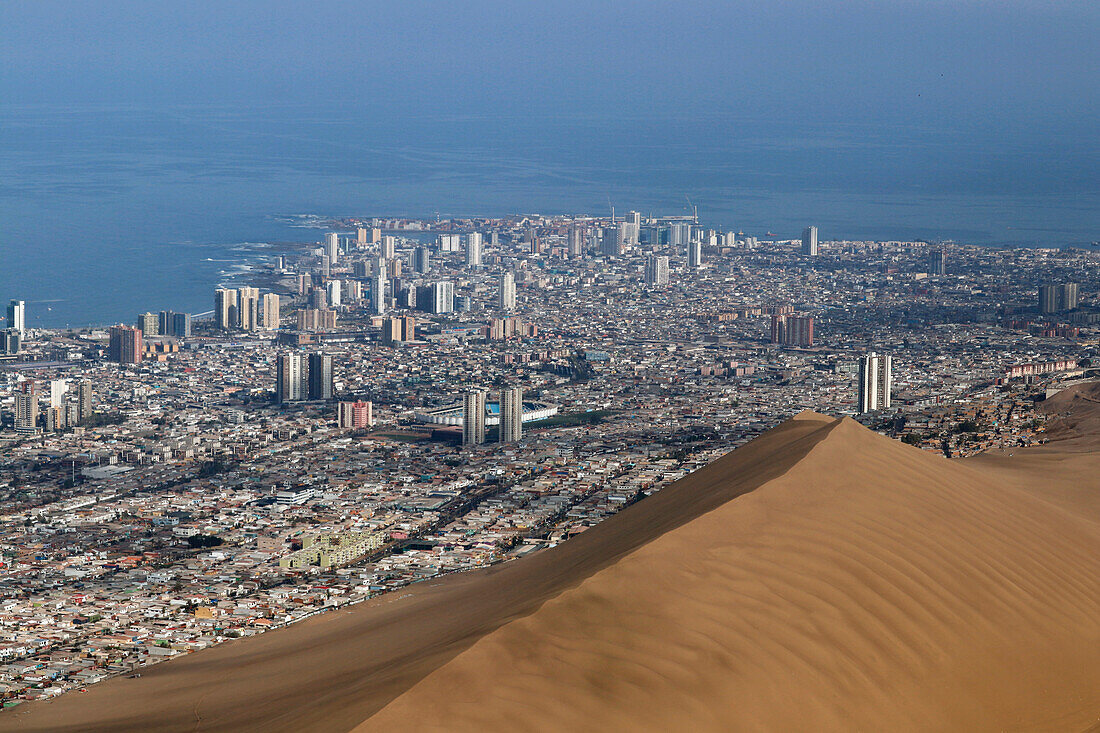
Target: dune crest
[[821, 577]]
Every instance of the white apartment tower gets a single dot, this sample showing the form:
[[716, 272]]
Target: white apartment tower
[[809, 241], [248, 306], [473, 417], [656, 270], [473, 250], [511, 414], [875, 378], [508, 291], [378, 290], [271, 311], [332, 247]]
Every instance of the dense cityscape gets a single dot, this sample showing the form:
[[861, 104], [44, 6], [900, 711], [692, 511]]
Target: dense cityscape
[[406, 398]]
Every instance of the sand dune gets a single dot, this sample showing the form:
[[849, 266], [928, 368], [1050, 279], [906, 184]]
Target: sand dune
[[822, 577]]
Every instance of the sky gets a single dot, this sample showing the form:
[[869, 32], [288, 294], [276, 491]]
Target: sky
[[1004, 64]]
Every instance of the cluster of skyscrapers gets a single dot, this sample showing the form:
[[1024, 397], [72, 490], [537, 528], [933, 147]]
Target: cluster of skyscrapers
[[165, 323], [62, 412], [242, 309]]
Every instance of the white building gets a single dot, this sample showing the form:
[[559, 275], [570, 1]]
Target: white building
[[473, 417], [511, 414], [874, 382]]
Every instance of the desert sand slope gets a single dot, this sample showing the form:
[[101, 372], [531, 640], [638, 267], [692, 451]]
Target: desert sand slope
[[871, 587], [333, 671], [1066, 469]]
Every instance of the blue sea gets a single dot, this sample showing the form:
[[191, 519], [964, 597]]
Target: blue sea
[[106, 212]]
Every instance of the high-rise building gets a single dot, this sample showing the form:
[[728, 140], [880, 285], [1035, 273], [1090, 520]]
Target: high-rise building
[[656, 270], [225, 308], [291, 377], [165, 323], [355, 415], [1048, 298], [695, 255], [1068, 295], [84, 401], [1054, 298], [149, 324], [378, 291], [181, 325], [875, 379], [26, 408], [473, 417], [326, 266], [611, 245], [271, 311], [421, 260], [55, 419], [58, 388], [576, 241], [398, 329], [72, 414], [315, 319], [809, 241], [305, 283], [333, 292], [320, 376], [793, 330], [388, 247], [360, 237], [10, 343], [511, 414], [443, 297], [125, 345], [679, 234], [938, 262], [318, 298], [473, 250], [332, 247], [17, 317], [508, 291], [248, 308]]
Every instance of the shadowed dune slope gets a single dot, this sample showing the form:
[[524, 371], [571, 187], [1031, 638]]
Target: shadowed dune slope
[[822, 577]]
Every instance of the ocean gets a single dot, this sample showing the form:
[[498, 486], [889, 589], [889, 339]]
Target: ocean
[[107, 212]]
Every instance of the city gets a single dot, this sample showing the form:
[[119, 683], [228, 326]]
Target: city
[[407, 398]]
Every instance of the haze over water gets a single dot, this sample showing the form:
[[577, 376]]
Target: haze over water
[[144, 157]]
